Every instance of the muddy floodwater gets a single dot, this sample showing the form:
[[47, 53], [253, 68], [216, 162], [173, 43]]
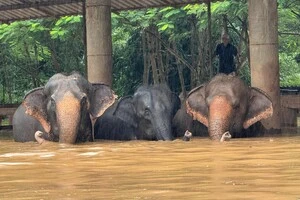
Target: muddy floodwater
[[255, 168]]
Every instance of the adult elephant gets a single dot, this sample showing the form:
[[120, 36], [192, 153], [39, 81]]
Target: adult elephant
[[226, 103], [146, 115], [62, 110]]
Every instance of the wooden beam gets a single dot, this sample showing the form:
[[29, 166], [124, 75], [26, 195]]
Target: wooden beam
[[8, 109], [115, 5], [37, 4], [290, 101], [45, 11]]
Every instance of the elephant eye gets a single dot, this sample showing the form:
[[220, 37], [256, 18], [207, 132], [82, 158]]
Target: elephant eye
[[236, 106], [147, 111], [83, 100], [53, 103]]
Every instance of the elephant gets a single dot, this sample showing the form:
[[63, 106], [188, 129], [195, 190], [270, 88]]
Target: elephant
[[147, 115], [64, 110], [226, 103], [183, 122]]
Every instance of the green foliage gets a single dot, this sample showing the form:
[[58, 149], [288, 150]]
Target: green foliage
[[33, 50], [289, 70], [174, 24], [128, 65], [289, 33]]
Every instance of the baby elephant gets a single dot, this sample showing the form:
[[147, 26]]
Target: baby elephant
[[146, 115]]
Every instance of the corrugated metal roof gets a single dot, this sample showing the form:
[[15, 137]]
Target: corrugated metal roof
[[12, 10]]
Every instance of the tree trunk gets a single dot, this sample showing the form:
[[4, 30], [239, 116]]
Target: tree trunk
[[154, 69], [180, 74], [55, 62], [162, 76], [145, 56], [152, 54], [224, 24], [209, 40]]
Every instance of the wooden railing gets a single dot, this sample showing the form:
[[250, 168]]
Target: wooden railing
[[7, 110], [290, 106]]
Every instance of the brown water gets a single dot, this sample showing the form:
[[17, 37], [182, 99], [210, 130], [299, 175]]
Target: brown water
[[256, 168]]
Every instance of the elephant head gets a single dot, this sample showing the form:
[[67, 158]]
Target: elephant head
[[145, 115], [65, 106], [226, 103], [155, 107]]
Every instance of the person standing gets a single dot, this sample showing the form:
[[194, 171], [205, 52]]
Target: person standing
[[226, 52]]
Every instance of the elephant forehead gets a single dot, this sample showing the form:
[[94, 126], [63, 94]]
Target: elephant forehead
[[73, 84], [151, 100], [66, 89], [160, 106], [233, 93], [143, 99], [68, 104]]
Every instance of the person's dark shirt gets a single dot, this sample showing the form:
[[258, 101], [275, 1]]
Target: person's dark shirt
[[226, 59]]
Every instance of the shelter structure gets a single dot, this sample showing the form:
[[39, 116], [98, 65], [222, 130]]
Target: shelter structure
[[263, 21]]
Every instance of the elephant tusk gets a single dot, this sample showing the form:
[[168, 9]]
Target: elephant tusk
[[38, 137], [187, 136], [225, 137]]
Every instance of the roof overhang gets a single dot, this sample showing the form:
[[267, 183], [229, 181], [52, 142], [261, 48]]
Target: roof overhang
[[13, 10]]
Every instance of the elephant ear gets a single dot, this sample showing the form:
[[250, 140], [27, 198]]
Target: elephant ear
[[260, 107], [125, 111], [36, 106], [196, 105], [102, 97]]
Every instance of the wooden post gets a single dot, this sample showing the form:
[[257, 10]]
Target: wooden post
[[263, 29], [99, 43], [211, 72]]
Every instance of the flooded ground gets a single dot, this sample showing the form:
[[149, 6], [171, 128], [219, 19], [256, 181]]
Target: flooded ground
[[256, 168]]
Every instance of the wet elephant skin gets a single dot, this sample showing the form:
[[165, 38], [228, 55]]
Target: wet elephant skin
[[146, 115], [226, 103], [63, 110]]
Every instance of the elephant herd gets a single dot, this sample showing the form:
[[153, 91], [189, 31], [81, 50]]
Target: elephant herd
[[69, 109]]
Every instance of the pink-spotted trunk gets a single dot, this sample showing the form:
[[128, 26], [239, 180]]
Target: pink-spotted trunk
[[220, 112], [68, 117]]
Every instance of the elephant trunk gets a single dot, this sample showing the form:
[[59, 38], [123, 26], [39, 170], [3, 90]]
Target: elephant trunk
[[163, 129], [220, 111], [68, 116], [164, 133]]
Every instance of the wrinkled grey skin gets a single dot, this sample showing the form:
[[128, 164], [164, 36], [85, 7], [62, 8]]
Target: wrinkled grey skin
[[63, 110], [226, 103], [183, 122], [146, 115]]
